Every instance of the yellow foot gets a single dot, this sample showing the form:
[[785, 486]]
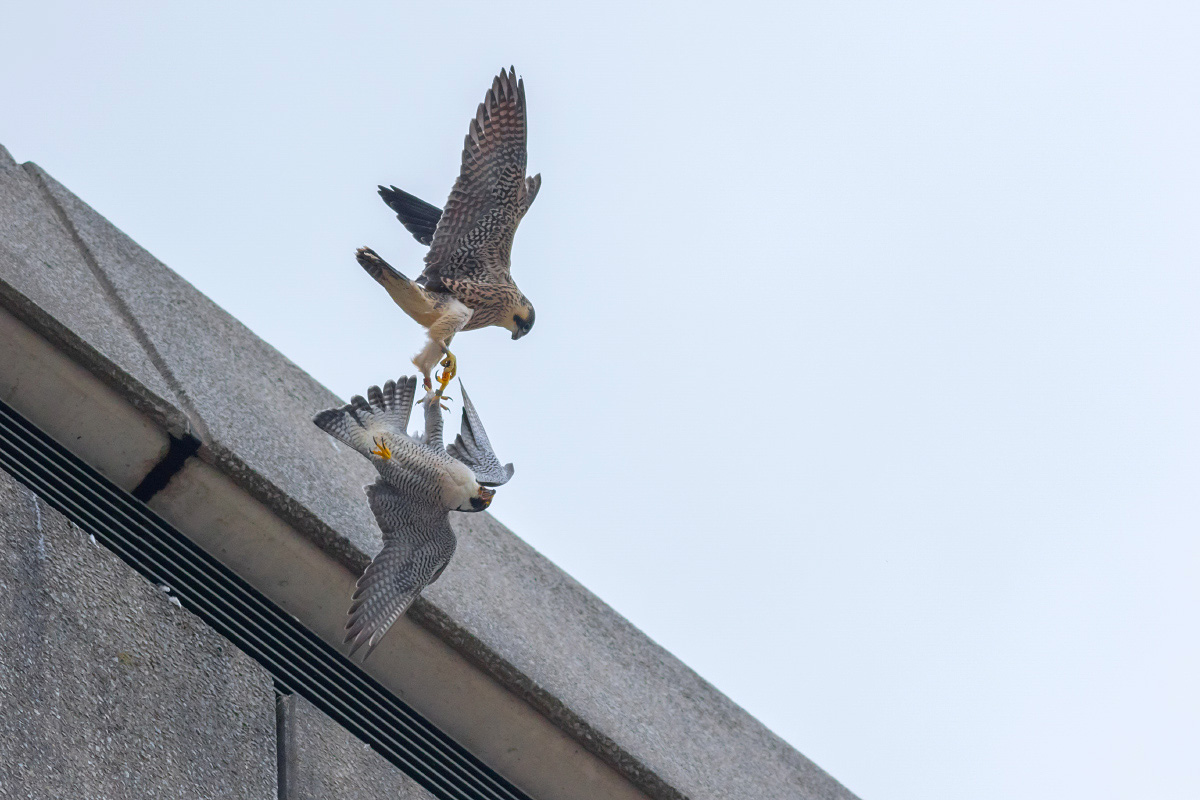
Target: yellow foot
[[451, 365], [439, 394], [443, 380], [381, 449]]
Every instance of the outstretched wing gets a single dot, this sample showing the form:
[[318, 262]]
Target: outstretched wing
[[472, 448], [385, 412], [417, 545], [474, 236], [418, 217]]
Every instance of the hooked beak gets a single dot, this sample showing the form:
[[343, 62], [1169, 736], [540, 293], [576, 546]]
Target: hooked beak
[[483, 499]]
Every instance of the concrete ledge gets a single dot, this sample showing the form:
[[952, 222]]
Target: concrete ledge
[[417, 666], [49, 282], [544, 662], [59, 395]]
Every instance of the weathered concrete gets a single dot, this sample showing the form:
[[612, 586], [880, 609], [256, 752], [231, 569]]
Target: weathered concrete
[[49, 282], [436, 679], [254, 414], [107, 689], [59, 395], [585, 666], [323, 760], [500, 604]]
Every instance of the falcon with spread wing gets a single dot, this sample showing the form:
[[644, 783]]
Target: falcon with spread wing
[[420, 482], [466, 283]]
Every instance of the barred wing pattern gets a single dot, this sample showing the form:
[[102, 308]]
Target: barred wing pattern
[[409, 500], [385, 412], [474, 235], [418, 543], [472, 448]]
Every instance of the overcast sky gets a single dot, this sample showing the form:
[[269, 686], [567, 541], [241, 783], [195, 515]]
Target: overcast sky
[[865, 369]]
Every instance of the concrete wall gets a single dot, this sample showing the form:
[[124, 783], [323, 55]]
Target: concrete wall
[[110, 690]]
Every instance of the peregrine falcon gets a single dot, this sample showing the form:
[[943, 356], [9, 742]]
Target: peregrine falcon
[[466, 283], [419, 483]]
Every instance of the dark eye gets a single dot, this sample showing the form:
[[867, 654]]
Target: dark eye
[[518, 320]]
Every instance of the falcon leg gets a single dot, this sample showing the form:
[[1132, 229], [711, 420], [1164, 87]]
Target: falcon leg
[[427, 359], [441, 333], [451, 368]]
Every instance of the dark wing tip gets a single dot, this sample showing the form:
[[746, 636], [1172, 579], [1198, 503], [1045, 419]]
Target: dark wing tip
[[323, 419]]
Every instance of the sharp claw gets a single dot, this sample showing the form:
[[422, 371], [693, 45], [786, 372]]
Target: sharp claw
[[444, 379], [451, 369], [381, 449]]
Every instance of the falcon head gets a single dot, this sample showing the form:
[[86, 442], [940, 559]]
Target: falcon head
[[520, 319], [478, 501]]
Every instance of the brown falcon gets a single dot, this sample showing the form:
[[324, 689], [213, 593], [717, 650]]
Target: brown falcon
[[466, 283]]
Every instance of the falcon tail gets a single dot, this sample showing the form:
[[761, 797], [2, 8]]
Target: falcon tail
[[385, 410], [418, 217], [407, 294]]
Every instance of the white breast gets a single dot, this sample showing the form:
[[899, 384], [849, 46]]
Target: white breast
[[458, 484]]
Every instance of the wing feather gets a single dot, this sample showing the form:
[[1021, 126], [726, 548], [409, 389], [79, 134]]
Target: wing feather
[[385, 412], [418, 543], [472, 447], [474, 235], [418, 217]]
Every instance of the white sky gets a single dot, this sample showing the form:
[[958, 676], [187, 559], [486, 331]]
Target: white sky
[[865, 369]]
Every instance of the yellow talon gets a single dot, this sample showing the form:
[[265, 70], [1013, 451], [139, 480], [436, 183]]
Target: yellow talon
[[451, 365], [382, 450], [446, 375]]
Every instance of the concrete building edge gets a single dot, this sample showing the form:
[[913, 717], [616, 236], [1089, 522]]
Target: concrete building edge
[[85, 359], [95, 422]]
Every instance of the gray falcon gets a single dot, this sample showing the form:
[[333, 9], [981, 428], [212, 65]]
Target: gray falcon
[[420, 482], [467, 283]]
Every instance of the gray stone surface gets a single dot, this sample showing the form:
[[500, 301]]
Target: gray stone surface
[[500, 603], [48, 281], [322, 760], [254, 413], [6, 159], [107, 689], [604, 681]]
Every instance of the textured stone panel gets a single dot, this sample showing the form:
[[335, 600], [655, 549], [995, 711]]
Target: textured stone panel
[[323, 759], [91, 419], [256, 409], [47, 281], [599, 677], [108, 689]]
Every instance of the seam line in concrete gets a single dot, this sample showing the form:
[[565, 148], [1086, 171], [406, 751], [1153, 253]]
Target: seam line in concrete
[[285, 743], [139, 333]]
